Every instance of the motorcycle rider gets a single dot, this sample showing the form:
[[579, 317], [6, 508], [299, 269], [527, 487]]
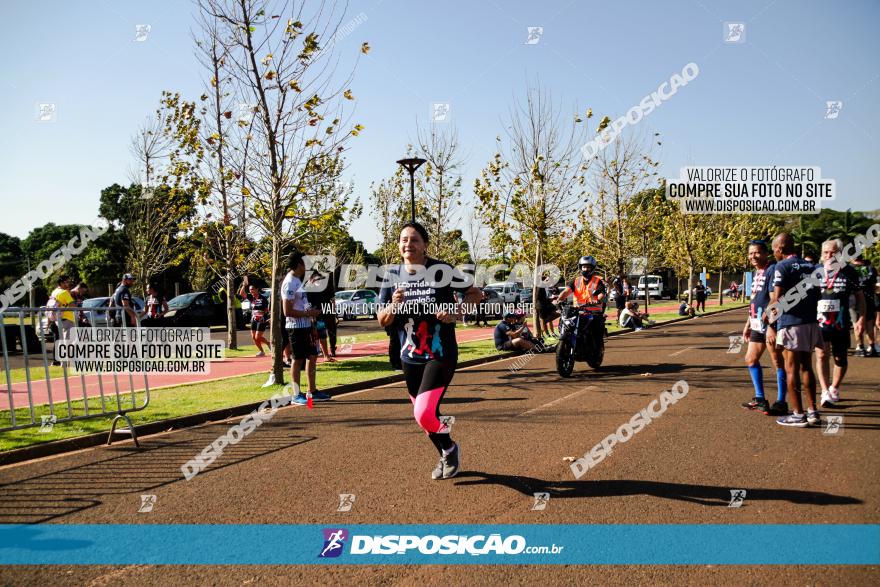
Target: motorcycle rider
[[588, 288]]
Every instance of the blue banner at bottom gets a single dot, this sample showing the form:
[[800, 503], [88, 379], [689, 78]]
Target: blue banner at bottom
[[171, 544]]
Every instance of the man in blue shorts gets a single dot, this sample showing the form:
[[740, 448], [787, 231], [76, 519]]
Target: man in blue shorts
[[760, 335]]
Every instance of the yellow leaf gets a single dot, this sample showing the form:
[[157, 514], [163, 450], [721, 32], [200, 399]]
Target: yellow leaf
[[270, 75], [294, 85], [365, 48], [265, 60], [245, 191], [348, 95]]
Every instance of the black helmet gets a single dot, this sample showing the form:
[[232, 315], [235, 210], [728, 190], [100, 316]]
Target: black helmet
[[587, 260]]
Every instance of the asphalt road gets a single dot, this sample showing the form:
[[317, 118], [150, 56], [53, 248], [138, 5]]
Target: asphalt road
[[515, 429]]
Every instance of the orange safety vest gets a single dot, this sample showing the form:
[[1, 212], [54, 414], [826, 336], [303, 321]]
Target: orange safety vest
[[585, 291]]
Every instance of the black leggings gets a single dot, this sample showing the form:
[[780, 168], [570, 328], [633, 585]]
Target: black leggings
[[427, 383]]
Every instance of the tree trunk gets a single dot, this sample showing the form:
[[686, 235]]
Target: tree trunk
[[277, 313], [535, 317], [720, 293], [231, 326]]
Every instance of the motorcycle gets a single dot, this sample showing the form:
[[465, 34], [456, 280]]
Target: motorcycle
[[581, 338]]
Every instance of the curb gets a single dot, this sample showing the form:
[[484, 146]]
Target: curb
[[57, 447]]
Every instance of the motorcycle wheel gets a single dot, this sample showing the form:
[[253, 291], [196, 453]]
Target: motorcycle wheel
[[564, 358]]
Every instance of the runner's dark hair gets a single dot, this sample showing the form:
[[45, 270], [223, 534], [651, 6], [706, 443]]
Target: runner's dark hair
[[419, 229]]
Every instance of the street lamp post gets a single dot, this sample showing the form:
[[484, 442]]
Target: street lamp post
[[411, 165]]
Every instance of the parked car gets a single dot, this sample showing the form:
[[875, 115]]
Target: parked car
[[96, 316], [509, 292], [198, 309], [353, 303], [246, 305], [493, 306]]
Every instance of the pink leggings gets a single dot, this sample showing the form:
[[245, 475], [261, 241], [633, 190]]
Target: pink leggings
[[426, 383]]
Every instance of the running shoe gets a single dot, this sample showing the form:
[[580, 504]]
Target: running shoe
[[860, 352], [813, 418], [834, 394], [778, 409], [872, 351], [320, 396], [260, 354], [758, 404], [300, 399], [437, 473], [795, 420], [451, 462]]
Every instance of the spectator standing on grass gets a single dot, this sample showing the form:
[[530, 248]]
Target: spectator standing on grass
[[61, 298], [700, 296], [797, 330], [299, 315], [621, 292], [125, 314], [318, 299], [547, 311]]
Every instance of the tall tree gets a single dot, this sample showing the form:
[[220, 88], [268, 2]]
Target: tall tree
[[534, 186], [441, 149], [277, 64]]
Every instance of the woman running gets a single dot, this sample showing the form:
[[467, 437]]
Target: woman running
[[416, 299]]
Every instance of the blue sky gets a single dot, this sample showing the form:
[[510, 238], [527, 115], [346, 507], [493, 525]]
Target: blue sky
[[761, 102]]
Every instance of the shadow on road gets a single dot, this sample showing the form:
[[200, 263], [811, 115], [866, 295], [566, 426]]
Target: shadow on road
[[709, 495], [73, 489]]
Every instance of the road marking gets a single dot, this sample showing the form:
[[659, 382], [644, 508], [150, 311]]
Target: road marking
[[561, 399], [685, 349]]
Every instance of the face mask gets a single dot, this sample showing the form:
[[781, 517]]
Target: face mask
[[586, 272]]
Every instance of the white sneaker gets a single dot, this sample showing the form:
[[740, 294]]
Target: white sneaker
[[833, 395], [260, 354], [824, 399]]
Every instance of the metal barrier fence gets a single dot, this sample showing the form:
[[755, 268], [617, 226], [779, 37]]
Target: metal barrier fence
[[30, 330]]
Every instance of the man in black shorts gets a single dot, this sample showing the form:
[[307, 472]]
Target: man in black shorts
[[839, 282], [620, 287], [300, 329]]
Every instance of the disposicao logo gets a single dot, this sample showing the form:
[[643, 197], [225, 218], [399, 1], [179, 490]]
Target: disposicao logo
[[334, 540]]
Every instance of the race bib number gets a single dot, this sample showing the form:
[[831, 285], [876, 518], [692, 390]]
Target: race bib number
[[829, 306], [757, 324]]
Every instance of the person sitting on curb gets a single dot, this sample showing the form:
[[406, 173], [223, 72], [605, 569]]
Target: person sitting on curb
[[509, 335], [630, 317], [684, 309]]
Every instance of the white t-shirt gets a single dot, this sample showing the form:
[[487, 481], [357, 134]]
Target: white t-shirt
[[292, 289], [623, 316]]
